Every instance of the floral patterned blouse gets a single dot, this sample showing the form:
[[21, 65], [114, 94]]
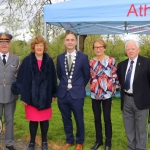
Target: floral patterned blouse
[[103, 78]]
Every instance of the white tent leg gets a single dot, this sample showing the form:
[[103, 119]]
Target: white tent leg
[[45, 31]]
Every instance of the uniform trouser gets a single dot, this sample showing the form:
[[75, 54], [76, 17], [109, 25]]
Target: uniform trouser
[[8, 109], [67, 105], [135, 124], [106, 105]]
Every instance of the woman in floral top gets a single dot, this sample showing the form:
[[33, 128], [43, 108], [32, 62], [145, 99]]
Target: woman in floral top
[[103, 84]]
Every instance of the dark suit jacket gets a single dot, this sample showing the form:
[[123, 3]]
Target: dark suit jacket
[[80, 76], [141, 82]]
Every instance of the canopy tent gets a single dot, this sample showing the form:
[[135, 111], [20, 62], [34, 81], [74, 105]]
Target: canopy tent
[[85, 17]]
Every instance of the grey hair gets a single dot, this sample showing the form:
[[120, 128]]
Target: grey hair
[[129, 41]]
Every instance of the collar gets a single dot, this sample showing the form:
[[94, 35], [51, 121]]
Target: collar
[[1, 54], [135, 60], [72, 54]]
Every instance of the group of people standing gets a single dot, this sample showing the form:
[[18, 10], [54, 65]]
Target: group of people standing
[[36, 81]]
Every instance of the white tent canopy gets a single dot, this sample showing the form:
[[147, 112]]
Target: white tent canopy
[[100, 17]]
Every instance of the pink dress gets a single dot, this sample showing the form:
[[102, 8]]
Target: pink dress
[[33, 114]]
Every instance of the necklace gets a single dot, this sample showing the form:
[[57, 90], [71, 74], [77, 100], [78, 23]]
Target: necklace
[[69, 73]]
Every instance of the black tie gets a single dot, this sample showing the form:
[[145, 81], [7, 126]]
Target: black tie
[[128, 76], [4, 60]]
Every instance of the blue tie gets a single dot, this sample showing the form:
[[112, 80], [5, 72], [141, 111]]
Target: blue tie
[[128, 77]]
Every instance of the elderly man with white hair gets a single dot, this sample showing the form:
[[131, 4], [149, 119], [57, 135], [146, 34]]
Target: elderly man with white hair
[[134, 78]]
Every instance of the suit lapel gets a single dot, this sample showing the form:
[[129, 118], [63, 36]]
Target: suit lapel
[[1, 62], [10, 59], [63, 66], [139, 65], [124, 68]]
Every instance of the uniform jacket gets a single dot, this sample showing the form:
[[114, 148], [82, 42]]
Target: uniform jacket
[[7, 77], [80, 78], [141, 82], [36, 87]]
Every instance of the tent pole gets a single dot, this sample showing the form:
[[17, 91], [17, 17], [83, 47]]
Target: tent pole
[[78, 42], [45, 31]]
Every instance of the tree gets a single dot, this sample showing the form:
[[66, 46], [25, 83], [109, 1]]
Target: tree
[[25, 17], [144, 41]]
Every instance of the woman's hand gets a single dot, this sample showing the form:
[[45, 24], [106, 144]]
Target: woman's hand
[[25, 104], [53, 99], [113, 89]]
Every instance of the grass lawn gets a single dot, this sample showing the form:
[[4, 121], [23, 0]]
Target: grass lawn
[[56, 136]]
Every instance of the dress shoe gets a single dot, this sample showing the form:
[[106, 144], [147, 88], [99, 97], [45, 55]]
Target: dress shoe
[[96, 146], [44, 146], [10, 147], [31, 146], [66, 146], [107, 148], [79, 147]]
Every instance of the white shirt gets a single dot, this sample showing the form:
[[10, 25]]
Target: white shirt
[[73, 54], [132, 74], [6, 57]]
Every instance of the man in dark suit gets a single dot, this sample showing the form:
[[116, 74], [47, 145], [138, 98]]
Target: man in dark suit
[[8, 68], [134, 77], [73, 72]]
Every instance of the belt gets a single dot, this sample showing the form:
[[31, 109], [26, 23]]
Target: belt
[[129, 94]]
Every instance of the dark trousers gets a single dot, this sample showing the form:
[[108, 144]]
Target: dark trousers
[[106, 105], [67, 105]]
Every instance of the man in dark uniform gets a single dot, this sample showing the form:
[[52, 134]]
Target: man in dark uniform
[[8, 66]]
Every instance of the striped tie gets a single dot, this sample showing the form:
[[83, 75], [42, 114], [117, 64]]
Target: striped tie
[[128, 77], [69, 61]]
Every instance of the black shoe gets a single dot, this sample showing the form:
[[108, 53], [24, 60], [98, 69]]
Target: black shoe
[[31, 146], [107, 148], [44, 146], [96, 146], [10, 147]]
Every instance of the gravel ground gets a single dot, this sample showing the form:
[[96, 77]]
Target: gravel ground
[[23, 145], [18, 144]]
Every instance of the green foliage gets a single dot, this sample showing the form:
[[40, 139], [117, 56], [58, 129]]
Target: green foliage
[[20, 48], [88, 45], [56, 47], [145, 45], [115, 46]]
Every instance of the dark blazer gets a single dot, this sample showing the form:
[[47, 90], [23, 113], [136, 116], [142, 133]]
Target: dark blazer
[[80, 78], [141, 82], [36, 87]]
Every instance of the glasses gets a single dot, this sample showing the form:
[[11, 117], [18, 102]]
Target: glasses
[[4, 43], [98, 47]]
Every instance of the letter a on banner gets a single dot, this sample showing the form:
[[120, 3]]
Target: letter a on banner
[[132, 10]]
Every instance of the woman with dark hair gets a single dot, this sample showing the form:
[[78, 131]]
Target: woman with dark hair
[[36, 83], [103, 84]]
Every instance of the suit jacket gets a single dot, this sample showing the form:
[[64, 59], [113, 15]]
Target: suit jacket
[[7, 77], [141, 82], [80, 78]]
